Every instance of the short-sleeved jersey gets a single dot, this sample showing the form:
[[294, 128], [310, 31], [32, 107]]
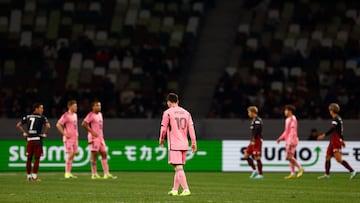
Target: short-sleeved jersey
[[177, 123], [34, 124], [256, 128], [70, 123], [95, 121], [337, 129]]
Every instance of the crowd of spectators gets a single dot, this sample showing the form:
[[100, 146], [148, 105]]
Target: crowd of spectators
[[152, 34], [293, 52]]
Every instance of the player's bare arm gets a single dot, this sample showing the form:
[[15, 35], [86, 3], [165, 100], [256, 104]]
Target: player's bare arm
[[21, 129], [47, 128], [61, 129], [86, 126], [193, 148]]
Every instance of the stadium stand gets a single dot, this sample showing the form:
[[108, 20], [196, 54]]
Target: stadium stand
[[126, 53], [301, 52]]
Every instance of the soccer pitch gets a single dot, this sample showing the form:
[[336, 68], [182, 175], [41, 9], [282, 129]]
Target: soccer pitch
[[153, 187]]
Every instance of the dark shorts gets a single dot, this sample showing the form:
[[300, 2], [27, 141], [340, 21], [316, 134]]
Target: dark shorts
[[34, 148], [334, 146], [255, 150]]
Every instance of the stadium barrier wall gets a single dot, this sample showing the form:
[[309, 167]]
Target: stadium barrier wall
[[146, 155], [207, 129]]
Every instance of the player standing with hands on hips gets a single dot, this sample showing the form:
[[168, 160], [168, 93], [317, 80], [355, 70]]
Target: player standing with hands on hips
[[336, 142], [93, 123], [34, 134], [254, 148], [68, 127], [176, 123], [290, 135]]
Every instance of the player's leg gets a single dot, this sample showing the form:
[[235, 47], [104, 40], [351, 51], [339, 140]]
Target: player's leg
[[294, 162], [250, 161], [94, 148], [327, 164], [289, 156], [37, 154], [257, 157], [259, 174], [71, 149], [94, 174], [29, 152], [182, 180], [338, 157], [175, 188], [105, 163], [173, 159], [182, 176]]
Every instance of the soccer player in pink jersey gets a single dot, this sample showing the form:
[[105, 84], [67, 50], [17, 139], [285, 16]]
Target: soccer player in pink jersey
[[68, 127], [93, 123], [176, 123], [291, 138]]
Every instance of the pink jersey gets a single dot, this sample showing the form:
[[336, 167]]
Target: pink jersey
[[95, 121], [176, 123], [70, 123], [290, 134]]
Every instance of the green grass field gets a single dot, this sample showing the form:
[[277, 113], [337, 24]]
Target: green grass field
[[153, 187]]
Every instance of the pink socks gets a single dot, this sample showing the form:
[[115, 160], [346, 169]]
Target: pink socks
[[182, 179], [68, 165], [105, 166]]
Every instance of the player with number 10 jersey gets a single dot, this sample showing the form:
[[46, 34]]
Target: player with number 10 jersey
[[176, 124]]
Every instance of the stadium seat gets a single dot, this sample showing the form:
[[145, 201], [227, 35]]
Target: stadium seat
[[15, 21], [26, 38], [259, 65], [30, 5], [277, 86], [351, 64], [88, 64], [231, 71], [9, 68], [4, 24]]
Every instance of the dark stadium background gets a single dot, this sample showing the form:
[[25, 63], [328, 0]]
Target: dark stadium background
[[219, 56]]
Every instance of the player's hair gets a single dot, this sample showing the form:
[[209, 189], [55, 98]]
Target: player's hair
[[36, 105], [290, 107], [71, 102], [172, 97], [334, 107], [253, 109], [94, 102]]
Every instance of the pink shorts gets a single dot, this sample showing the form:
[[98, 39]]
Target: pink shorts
[[290, 149], [97, 146], [71, 146], [177, 157]]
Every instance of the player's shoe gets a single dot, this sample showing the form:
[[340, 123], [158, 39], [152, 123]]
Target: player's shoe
[[291, 176], [300, 172], [353, 175], [253, 174], [185, 193], [173, 193], [69, 175], [36, 179], [29, 178], [324, 177], [258, 176], [95, 176], [109, 176]]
